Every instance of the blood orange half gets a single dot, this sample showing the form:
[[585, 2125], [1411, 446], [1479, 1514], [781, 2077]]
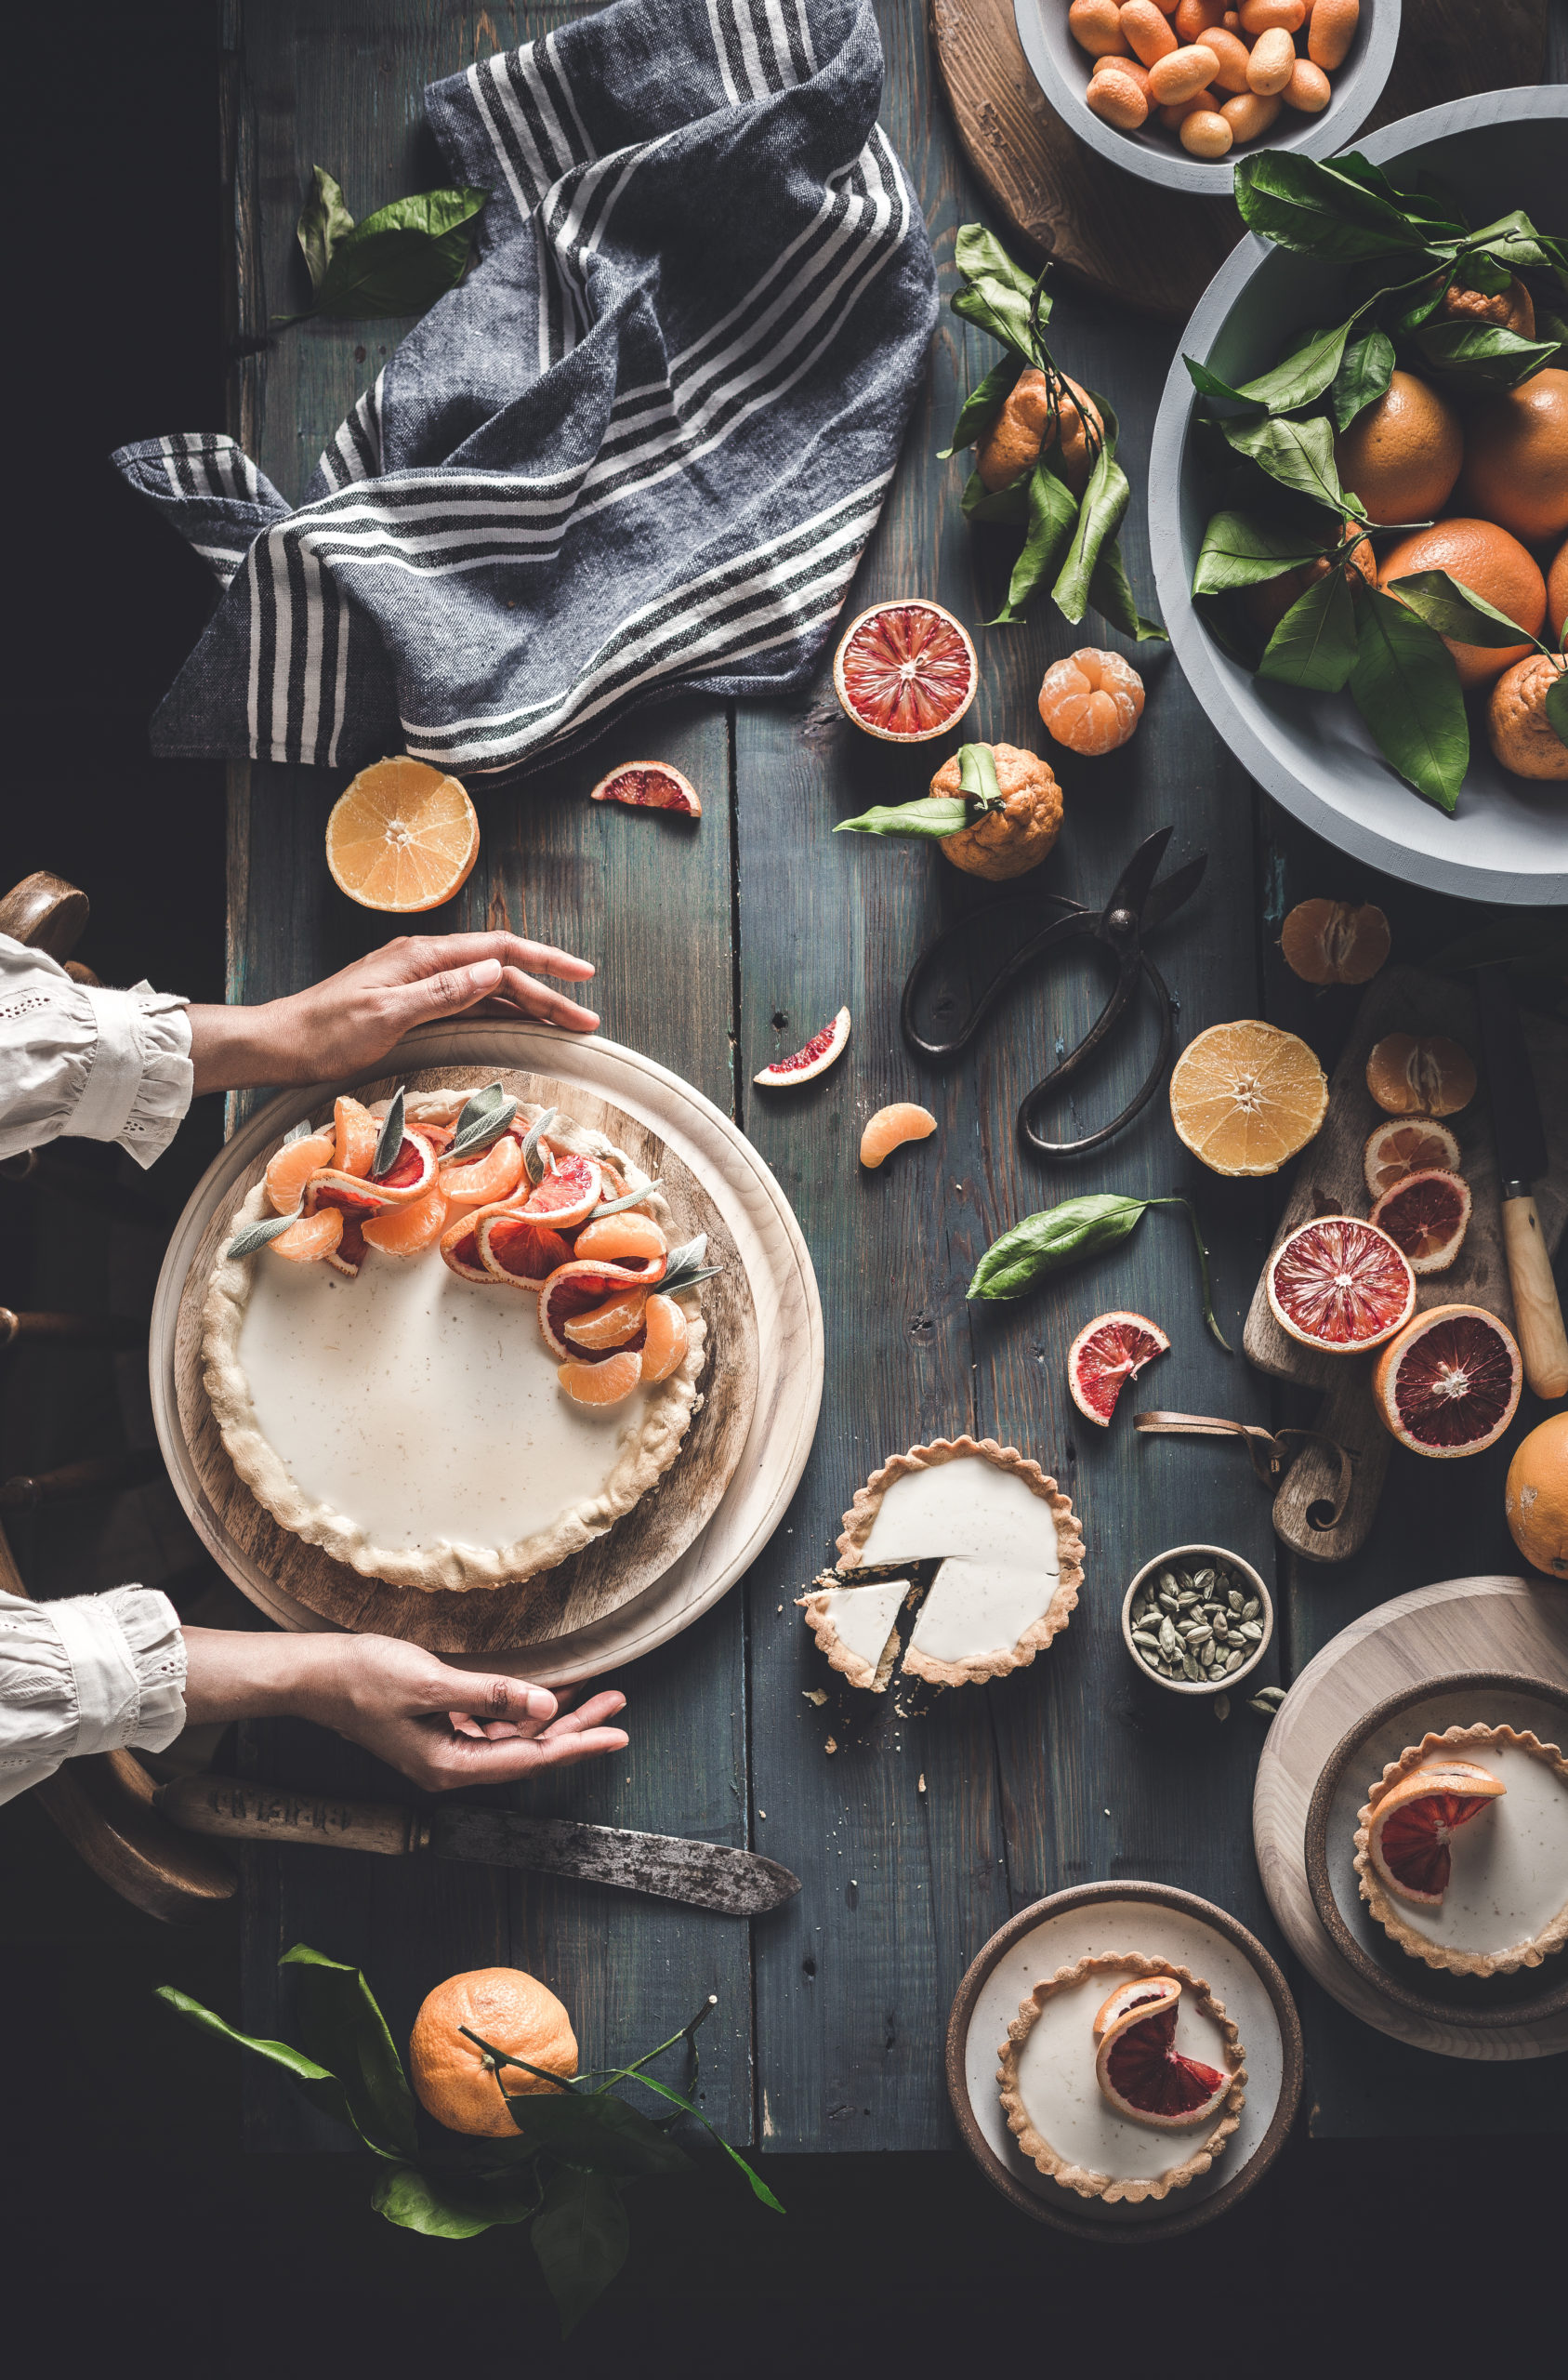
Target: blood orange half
[[1106, 1353], [1402, 1145], [1138, 2066], [1415, 1822], [906, 671], [1340, 1285], [1449, 1385], [1427, 1214]]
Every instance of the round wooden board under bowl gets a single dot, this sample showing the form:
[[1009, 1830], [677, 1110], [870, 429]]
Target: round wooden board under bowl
[[689, 1539], [1490, 1697], [1461, 1627], [1161, 1922]]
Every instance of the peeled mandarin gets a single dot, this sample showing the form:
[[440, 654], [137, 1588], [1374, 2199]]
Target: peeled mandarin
[[1273, 16], [1146, 33], [1092, 701], [1331, 29], [1182, 74], [1205, 133], [1308, 89], [1271, 64], [1095, 25], [1233, 55], [1117, 100], [1249, 115]]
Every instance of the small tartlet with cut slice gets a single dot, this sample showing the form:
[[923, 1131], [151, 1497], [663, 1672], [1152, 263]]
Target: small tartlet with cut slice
[[1461, 1850], [1096, 2090]]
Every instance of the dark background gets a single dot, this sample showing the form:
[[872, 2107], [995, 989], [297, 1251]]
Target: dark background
[[130, 2222]]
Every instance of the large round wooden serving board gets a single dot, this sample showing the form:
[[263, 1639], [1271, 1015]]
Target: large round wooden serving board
[[1487, 1624], [684, 1542]]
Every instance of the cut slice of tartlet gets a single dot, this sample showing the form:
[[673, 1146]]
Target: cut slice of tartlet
[[1461, 1850], [858, 1627], [1122, 2077]]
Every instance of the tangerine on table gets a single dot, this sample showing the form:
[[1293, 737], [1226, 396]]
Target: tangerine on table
[[1401, 456], [1008, 841], [891, 1127], [1329, 942], [1536, 1498], [403, 837], [1490, 563], [1521, 736], [514, 2013], [1092, 701], [1516, 458], [1244, 1097]]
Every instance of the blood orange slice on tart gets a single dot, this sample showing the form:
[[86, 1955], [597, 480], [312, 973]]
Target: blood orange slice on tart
[[1449, 1385], [1427, 1214], [906, 671], [1106, 1353], [804, 1065], [511, 1245], [568, 1194], [1138, 2066], [1415, 1822], [577, 1288], [1405, 1146], [1340, 1285]]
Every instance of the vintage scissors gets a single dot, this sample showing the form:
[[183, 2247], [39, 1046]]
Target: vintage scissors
[[1136, 907]]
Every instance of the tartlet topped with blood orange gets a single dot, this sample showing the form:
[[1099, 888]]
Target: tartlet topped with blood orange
[[452, 1338]]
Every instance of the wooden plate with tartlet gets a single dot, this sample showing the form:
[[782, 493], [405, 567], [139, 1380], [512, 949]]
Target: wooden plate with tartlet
[[1160, 1922]]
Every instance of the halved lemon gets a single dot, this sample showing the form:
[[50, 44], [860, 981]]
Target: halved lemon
[[403, 837]]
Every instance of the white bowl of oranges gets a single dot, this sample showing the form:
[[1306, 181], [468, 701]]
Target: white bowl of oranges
[[1177, 92]]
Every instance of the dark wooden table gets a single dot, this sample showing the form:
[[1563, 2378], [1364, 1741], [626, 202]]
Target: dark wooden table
[[716, 950]]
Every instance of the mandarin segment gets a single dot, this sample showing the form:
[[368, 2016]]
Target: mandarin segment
[[624, 1238], [403, 837], [355, 1135], [891, 1127], [292, 1168], [407, 1231], [313, 1236], [610, 1325], [665, 1348], [609, 1382], [495, 1174]]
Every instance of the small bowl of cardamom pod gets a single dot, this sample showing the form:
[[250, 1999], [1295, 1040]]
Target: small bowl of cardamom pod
[[1197, 1620]]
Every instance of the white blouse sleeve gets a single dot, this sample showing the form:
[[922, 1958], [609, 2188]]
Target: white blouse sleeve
[[80, 1060], [86, 1674]]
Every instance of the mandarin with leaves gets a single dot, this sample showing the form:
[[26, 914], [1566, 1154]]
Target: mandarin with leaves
[[454, 2078]]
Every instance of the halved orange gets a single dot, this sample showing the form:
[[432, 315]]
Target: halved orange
[[403, 837], [310, 1238], [604, 1384], [293, 1167], [1244, 1097], [406, 1230]]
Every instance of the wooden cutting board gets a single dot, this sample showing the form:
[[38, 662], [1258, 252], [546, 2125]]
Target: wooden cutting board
[[1330, 1175]]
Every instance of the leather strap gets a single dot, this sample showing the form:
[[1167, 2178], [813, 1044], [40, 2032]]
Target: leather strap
[[1271, 1460]]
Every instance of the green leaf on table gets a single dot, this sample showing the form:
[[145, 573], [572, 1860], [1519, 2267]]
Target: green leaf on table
[[1008, 506], [1299, 454], [1314, 645], [255, 1235], [323, 220], [1019, 1260], [1453, 609], [580, 2236], [1053, 514], [1557, 704], [447, 2210], [1407, 688], [594, 2129], [982, 405], [759, 2187], [345, 2030], [1099, 517], [400, 259], [1302, 205], [1245, 550], [932, 819], [1363, 376], [1483, 353], [322, 2089], [390, 1139]]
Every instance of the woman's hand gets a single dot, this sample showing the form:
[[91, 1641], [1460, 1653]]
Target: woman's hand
[[354, 1017], [399, 1702]]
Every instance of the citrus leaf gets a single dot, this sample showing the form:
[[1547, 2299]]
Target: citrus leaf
[[445, 2211], [1244, 550], [342, 2024], [1299, 454], [1406, 688], [596, 2130], [1363, 376], [1453, 609], [322, 2089], [1300, 205], [1553, 326], [932, 819], [1481, 353], [1210, 384], [580, 2236], [390, 1138], [759, 2187], [1111, 594], [402, 258], [1302, 377], [255, 1235], [1019, 1260], [323, 220], [1476, 270], [1100, 517], [1052, 512], [982, 405], [1314, 645], [999, 296], [1007, 507]]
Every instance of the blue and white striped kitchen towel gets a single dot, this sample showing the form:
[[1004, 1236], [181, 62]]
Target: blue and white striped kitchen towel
[[641, 447]]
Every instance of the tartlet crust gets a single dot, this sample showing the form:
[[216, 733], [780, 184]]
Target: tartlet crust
[[1133, 2188], [448, 1568], [1386, 1908], [977, 1669], [871, 1676]]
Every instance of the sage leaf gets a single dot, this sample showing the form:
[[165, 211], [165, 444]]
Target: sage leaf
[[323, 220], [580, 2236], [934, 818], [345, 2030], [982, 405], [322, 2089], [1303, 205], [1053, 514], [1299, 454], [684, 1267], [1481, 353], [485, 1117], [1003, 507], [1406, 688], [1244, 550], [390, 1139], [1363, 376], [533, 1163], [690, 1252], [1099, 517], [619, 1206], [1314, 645], [255, 1235], [1453, 609], [1111, 594], [594, 2128], [1557, 704], [446, 2210], [301, 1131]]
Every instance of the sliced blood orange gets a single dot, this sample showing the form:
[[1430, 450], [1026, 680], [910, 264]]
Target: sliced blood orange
[[1411, 1074], [664, 1347], [610, 1325], [814, 1059], [627, 1238], [292, 1168], [355, 1135], [605, 1383], [494, 1174], [906, 671], [511, 1246], [569, 1192], [1403, 1147], [1106, 1353], [1340, 1285], [1330, 942], [891, 1127], [405, 1230], [1138, 2066], [411, 1172], [649, 785], [1244, 1097], [1449, 1385], [313, 1236], [575, 1288], [349, 1254], [1427, 1214], [404, 837], [354, 1196], [1413, 1823]]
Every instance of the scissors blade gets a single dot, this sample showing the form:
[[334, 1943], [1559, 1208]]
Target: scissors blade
[[1131, 888], [1166, 898]]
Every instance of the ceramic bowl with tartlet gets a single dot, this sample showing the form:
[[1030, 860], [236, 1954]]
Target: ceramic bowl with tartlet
[[1187, 1566]]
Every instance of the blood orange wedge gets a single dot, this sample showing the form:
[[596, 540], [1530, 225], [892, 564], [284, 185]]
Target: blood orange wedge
[[814, 1059], [577, 1288], [1138, 2066], [906, 671], [292, 1168], [649, 785], [627, 1239], [1403, 1147], [605, 1383], [494, 1174], [891, 1127], [510, 1246], [1106, 1353], [403, 837], [1410, 1074], [568, 1194], [610, 1325], [349, 1252], [1244, 1097], [355, 1134], [1449, 1385], [406, 1231], [313, 1236], [1340, 1285], [346, 1190], [1417, 1819], [664, 1347], [1427, 1214], [411, 1172]]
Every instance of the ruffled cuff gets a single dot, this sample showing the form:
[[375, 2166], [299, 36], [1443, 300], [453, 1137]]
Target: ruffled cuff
[[141, 1080], [127, 1661]]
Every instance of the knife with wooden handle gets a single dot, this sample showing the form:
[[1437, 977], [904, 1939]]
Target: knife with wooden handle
[[709, 1875], [1521, 1160]]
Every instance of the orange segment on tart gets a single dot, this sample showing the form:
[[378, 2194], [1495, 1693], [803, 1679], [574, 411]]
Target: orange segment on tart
[[494, 1174], [604, 1384], [1414, 1823], [356, 1133], [611, 1324], [407, 1231], [292, 1168], [664, 1346], [313, 1236]]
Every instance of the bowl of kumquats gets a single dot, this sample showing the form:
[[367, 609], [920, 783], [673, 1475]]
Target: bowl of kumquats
[[1177, 90]]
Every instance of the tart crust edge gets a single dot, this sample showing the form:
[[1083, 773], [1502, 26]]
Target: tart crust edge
[[1133, 2188], [873, 1678]]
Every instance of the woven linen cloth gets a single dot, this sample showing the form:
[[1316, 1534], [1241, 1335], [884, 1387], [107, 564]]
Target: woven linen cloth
[[639, 449]]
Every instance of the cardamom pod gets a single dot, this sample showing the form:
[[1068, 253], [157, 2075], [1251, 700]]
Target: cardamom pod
[[1234, 1660], [1251, 1607], [1190, 1669], [1168, 1637], [1234, 1600], [1142, 1636], [1251, 1630]]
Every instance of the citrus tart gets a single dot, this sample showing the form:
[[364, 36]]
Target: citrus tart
[[451, 1338], [979, 1558], [1122, 2077], [1462, 1850]]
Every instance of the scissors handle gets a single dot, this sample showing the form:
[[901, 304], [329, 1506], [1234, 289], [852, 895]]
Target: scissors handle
[[1071, 926], [1134, 961]]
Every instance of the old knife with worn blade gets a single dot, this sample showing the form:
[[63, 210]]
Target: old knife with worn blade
[[709, 1875], [1521, 1160]]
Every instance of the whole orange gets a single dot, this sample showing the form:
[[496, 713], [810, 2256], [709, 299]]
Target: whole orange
[[1485, 558], [1403, 455], [1518, 729], [510, 2010], [1516, 458], [1557, 591], [1535, 1498]]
